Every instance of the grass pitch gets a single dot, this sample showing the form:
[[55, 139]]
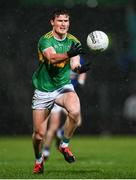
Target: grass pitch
[[96, 158]]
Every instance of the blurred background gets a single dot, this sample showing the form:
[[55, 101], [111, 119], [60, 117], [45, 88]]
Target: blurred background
[[108, 99]]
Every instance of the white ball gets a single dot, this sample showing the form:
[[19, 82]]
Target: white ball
[[97, 41]]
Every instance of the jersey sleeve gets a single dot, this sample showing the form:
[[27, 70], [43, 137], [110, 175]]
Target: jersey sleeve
[[43, 44], [73, 38]]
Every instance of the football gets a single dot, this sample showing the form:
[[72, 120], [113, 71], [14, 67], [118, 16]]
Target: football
[[97, 41]]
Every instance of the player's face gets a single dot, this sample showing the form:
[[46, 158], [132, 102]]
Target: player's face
[[60, 24]]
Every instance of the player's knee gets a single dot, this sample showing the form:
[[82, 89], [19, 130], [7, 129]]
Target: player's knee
[[75, 117], [75, 114], [39, 134], [76, 122], [79, 123]]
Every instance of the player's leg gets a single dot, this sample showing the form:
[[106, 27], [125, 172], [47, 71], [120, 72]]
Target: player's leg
[[53, 126], [41, 105], [60, 130], [59, 136], [39, 125], [71, 102]]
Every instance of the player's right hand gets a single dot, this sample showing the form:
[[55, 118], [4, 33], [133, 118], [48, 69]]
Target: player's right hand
[[75, 50]]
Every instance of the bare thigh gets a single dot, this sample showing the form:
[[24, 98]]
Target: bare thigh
[[40, 120], [54, 120], [69, 101]]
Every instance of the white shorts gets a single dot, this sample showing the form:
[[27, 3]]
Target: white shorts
[[56, 108], [45, 100]]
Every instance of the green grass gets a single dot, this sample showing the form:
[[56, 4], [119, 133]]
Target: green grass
[[96, 158]]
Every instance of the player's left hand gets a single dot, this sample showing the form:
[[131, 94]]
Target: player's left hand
[[82, 69]]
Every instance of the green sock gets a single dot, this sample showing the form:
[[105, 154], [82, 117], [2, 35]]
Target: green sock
[[65, 140], [39, 156]]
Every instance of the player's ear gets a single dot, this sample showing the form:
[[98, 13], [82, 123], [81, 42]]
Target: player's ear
[[52, 22]]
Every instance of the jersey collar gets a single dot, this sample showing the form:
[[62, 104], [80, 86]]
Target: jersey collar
[[60, 39]]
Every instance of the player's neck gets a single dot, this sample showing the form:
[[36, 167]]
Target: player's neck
[[59, 37]]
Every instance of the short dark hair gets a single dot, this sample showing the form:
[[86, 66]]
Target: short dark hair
[[58, 12]]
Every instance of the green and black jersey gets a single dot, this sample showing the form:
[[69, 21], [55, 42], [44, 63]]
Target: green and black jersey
[[49, 77]]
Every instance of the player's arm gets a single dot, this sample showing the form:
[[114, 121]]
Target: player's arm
[[77, 67], [54, 57], [75, 62]]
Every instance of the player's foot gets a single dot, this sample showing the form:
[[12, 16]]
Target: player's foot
[[38, 168], [69, 157]]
